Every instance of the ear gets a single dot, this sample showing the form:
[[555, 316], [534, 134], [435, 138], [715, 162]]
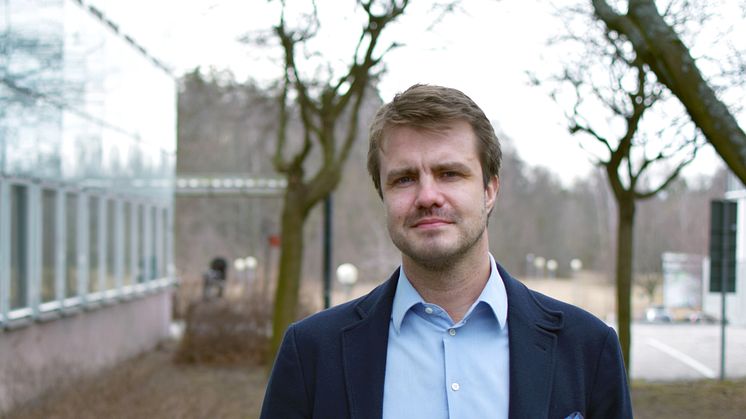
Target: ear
[[490, 192]]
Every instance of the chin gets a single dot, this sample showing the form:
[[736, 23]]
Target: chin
[[435, 262], [432, 255]]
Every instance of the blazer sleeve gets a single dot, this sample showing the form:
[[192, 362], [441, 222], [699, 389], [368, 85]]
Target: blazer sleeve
[[610, 396], [286, 396]]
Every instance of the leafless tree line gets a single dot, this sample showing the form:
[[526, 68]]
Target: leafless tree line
[[225, 127]]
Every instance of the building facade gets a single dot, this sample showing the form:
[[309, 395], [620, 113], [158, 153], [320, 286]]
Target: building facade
[[87, 166]]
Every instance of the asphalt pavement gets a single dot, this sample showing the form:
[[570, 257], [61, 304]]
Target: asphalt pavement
[[682, 351]]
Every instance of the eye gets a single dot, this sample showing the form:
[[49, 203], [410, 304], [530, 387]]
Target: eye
[[403, 180], [449, 174]]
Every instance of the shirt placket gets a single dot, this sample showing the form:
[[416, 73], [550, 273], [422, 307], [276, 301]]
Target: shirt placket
[[453, 376]]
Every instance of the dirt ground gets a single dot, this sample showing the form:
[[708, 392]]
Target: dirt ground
[[153, 386], [698, 399]]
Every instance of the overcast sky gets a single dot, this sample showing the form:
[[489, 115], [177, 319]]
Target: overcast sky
[[484, 51]]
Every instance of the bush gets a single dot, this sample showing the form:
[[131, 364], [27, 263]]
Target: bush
[[227, 331]]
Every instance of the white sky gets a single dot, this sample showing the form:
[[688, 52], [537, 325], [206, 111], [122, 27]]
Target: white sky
[[484, 52]]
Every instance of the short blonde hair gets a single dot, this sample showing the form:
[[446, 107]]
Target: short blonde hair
[[434, 108]]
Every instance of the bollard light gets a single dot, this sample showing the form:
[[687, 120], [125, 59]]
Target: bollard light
[[347, 274], [250, 262]]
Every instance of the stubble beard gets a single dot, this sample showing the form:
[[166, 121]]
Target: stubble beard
[[440, 257]]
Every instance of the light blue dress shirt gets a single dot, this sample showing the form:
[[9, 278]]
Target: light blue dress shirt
[[436, 369]]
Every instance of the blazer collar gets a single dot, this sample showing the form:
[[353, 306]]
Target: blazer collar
[[364, 347], [532, 332]]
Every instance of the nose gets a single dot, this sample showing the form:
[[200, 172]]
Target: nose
[[428, 194]]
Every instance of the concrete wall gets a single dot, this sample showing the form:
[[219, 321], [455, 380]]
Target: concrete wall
[[42, 354]]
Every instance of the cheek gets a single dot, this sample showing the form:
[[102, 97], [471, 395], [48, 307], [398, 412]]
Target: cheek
[[395, 205]]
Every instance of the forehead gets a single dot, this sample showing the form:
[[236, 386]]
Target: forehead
[[455, 137]]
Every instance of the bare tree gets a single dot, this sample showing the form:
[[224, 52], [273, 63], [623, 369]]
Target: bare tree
[[328, 110], [658, 45], [611, 99]]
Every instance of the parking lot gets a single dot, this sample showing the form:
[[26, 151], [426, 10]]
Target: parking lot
[[671, 351]]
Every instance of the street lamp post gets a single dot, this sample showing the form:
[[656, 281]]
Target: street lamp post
[[250, 263], [327, 251]]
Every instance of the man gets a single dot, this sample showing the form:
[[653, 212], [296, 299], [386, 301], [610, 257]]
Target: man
[[451, 334]]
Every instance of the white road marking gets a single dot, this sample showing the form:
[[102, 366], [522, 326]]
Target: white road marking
[[686, 359]]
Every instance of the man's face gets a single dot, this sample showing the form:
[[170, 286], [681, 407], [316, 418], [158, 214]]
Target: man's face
[[435, 200]]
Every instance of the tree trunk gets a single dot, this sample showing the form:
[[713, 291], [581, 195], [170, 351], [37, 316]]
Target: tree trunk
[[624, 258], [291, 261]]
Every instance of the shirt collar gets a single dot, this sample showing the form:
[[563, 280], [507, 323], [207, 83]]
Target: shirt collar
[[493, 295]]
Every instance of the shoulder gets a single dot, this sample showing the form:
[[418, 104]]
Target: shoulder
[[573, 316], [332, 318], [549, 313]]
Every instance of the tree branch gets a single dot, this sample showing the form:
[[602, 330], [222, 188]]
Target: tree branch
[[656, 44], [671, 177]]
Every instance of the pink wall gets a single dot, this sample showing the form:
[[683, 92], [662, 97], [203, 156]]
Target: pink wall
[[39, 355]]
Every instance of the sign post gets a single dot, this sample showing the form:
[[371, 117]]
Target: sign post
[[723, 221]]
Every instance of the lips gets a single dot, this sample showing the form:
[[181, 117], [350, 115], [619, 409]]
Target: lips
[[430, 222]]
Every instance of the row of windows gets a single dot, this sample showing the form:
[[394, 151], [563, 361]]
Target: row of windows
[[62, 248]]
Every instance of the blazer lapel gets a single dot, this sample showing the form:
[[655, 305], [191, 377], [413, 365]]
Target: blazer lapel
[[364, 346], [532, 341]]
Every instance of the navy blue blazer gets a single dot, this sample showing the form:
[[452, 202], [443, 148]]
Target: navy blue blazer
[[563, 360]]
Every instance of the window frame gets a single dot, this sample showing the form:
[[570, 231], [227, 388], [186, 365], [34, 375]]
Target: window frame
[[151, 216]]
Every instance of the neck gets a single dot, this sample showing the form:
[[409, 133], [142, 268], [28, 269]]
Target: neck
[[455, 288]]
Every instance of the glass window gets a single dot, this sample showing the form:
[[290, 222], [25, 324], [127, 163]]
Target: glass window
[[155, 245], [49, 244], [144, 250], [93, 225], [71, 245], [111, 244], [18, 249], [127, 243], [164, 243]]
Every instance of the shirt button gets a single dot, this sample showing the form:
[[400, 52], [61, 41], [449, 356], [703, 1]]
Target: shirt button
[[455, 387], [452, 332], [428, 310]]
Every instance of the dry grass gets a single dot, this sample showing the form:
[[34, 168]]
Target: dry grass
[[699, 399], [153, 386]]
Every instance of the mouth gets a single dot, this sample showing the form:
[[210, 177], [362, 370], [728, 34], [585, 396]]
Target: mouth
[[427, 223]]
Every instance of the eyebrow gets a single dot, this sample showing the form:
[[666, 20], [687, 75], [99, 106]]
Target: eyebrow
[[440, 167], [448, 166]]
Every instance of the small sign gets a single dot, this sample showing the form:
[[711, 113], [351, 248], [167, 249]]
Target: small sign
[[723, 222]]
